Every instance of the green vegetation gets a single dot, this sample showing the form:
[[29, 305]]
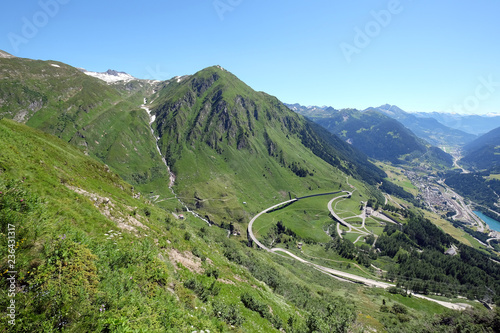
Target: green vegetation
[[381, 137], [476, 187], [105, 121], [92, 254], [89, 264], [483, 153], [230, 144], [418, 248]]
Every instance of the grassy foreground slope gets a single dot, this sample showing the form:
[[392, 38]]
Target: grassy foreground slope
[[91, 257]]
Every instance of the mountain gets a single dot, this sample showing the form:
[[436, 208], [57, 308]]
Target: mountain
[[428, 129], [311, 111], [92, 255], [474, 124], [102, 258], [484, 152], [227, 143], [104, 120], [4, 54], [110, 76], [377, 135]]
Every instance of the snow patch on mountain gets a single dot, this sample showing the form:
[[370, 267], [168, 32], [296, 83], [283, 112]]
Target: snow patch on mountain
[[110, 76], [4, 54]]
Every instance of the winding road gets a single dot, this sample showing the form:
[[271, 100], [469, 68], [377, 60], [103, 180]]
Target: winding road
[[330, 271], [342, 221]]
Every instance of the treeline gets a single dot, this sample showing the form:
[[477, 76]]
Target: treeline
[[396, 190], [278, 233], [418, 247], [476, 234]]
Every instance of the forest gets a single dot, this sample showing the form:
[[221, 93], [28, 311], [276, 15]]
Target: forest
[[418, 249], [475, 187]]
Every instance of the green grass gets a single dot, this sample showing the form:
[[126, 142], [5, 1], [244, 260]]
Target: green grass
[[396, 175], [58, 199], [45, 166], [308, 218]]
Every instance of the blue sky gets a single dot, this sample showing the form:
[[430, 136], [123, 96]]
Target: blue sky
[[420, 55]]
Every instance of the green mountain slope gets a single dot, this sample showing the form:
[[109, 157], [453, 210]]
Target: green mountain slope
[[484, 152], [105, 121], [378, 136], [92, 258], [228, 144]]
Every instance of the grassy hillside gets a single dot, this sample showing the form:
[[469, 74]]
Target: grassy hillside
[[105, 121], [483, 153], [92, 258], [93, 254], [228, 144]]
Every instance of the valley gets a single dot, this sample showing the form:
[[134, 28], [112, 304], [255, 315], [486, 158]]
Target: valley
[[197, 203]]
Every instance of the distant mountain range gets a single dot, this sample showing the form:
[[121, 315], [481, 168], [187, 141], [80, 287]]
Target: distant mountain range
[[376, 134], [427, 128], [474, 124]]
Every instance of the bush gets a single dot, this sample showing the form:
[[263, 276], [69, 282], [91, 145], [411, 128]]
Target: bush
[[399, 309], [227, 312], [212, 271], [397, 291], [254, 304]]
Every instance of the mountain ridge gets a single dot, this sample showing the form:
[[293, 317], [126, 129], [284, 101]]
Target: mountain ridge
[[212, 121], [377, 135], [484, 152]]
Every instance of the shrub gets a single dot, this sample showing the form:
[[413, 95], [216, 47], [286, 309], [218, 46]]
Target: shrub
[[227, 312], [399, 309]]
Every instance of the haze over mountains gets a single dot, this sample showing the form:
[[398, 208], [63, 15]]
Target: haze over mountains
[[484, 152], [474, 124]]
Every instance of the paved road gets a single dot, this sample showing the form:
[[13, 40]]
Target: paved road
[[341, 220], [328, 270], [331, 271], [323, 269], [250, 232]]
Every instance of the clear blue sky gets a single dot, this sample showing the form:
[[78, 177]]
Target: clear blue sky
[[423, 56]]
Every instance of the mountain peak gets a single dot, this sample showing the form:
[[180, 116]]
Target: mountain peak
[[110, 76], [4, 54]]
